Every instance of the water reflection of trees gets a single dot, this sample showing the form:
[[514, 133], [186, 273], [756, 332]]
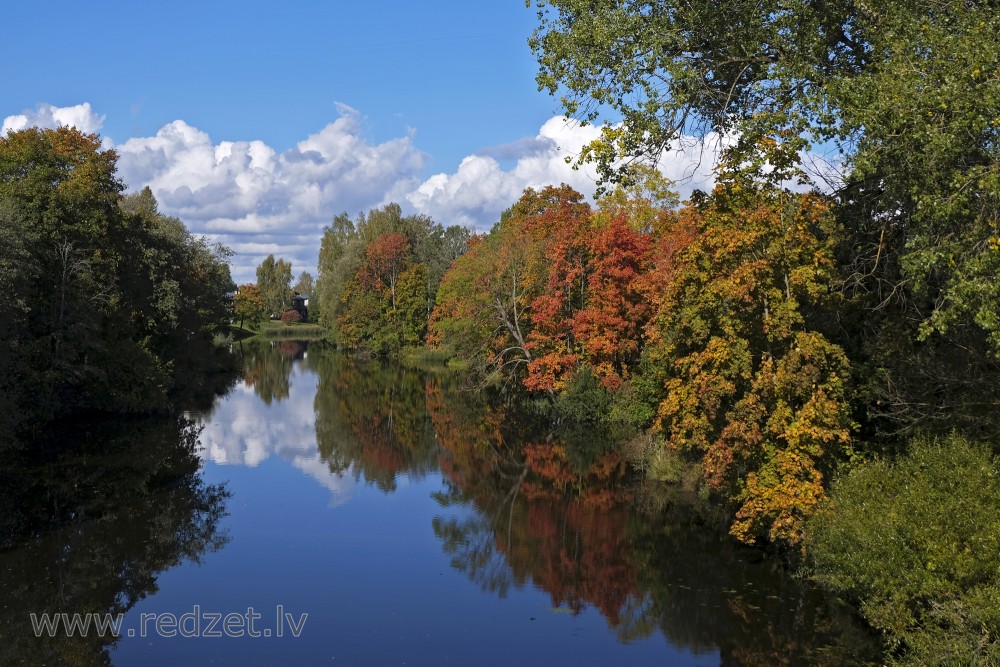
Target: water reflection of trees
[[524, 505], [267, 367], [88, 525], [536, 515], [534, 508], [371, 420], [701, 591]]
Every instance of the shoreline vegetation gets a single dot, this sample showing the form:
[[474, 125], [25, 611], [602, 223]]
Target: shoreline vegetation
[[824, 347], [815, 356], [106, 305], [272, 329]]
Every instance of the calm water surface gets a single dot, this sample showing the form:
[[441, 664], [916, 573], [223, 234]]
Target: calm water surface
[[387, 518]]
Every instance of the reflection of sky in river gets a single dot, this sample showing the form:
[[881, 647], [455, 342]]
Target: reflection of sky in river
[[445, 569], [243, 430]]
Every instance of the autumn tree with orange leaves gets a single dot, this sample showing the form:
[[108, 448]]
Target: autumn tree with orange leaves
[[551, 288], [707, 321], [484, 312], [753, 390]]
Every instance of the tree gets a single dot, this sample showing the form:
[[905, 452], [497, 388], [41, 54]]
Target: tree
[[899, 90], [62, 193], [609, 328], [16, 277], [183, 277], [752, 389], [113, 303], [915, 542], [409, 316], [367, 288], [273, 280], [756, 70], [384, 261], [249, 305], [484, 306], [305, 284], [337, 263], [552, 287], [561, 223]]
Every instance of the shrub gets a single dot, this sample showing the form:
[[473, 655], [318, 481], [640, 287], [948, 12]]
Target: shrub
[[291, 316], [917, 543]]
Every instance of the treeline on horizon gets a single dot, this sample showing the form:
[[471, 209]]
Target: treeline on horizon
[[106, 305]]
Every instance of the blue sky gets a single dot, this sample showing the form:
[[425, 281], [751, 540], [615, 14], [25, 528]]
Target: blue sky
[[257, 122], [459, 73]]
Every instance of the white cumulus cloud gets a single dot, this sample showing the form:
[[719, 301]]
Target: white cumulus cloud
[[476, 193], [81, 116], [259, 201]]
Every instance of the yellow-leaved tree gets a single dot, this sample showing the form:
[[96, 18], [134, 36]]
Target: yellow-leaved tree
[[754, 392]]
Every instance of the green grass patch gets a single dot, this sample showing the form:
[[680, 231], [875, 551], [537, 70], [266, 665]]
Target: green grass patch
[[240, 333], [422, 355], [275, 330], [293, 330]]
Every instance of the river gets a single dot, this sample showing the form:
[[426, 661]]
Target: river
[[328, 511]]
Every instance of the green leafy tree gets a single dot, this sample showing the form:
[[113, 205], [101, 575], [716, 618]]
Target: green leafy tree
[[249, 305], [17, 274], [366, 286], [273, 280], [305, 284], [336, 260], [182, 276], [915, 543], [904, 95], [113, 301], [410, 316]]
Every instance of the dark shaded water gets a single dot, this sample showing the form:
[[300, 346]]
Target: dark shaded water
[[385, 517]]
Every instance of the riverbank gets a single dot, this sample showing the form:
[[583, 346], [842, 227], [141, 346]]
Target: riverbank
[[280, 330]]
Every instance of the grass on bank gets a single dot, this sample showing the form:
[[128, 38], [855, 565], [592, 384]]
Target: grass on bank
[[276, 329]]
